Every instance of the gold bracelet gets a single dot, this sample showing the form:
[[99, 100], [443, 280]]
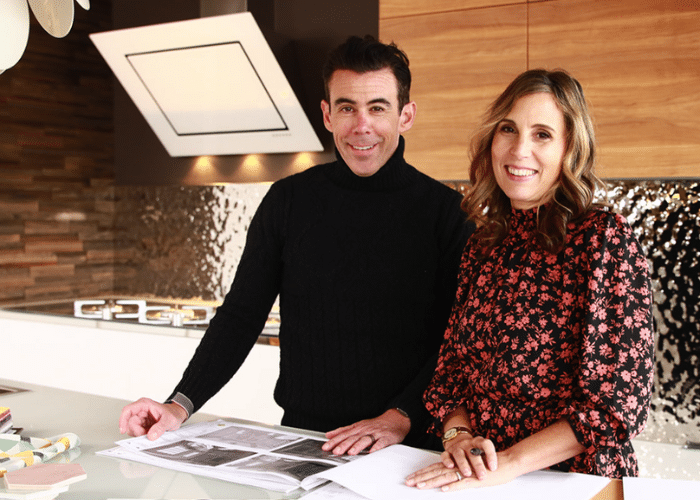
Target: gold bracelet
[[453, 432]]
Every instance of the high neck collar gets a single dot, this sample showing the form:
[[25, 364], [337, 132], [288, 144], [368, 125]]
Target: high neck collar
[[524, 220], [394, 174], [528, 214]]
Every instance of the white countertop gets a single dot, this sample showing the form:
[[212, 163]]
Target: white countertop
[[44, 412]]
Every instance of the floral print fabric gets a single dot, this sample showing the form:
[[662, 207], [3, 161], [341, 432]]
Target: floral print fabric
[[535, 337]]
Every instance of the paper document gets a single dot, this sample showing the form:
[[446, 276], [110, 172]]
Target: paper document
[[381, 475], [332, 491], [247, 454]]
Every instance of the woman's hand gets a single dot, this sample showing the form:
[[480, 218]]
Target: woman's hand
[[465, 461], [451, 479], [545, 448], [472, 456]]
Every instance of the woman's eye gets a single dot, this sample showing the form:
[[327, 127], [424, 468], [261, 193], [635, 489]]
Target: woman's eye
[[544, 135], [507, 129]]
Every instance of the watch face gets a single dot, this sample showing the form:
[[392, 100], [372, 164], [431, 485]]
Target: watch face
[[451, 433]]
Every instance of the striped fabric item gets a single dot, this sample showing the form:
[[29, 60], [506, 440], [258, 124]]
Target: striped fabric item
[[18, 451]]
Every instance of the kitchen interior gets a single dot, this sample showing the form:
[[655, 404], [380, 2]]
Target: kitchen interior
[[114, 252]]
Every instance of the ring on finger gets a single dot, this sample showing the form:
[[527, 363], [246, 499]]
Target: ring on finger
[[476, 451], [459, 475], [374, 439]]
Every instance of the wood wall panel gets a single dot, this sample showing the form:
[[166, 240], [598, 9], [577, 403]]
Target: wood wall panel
[[460, 63], [639, 64], [402, 8], [56, 167]]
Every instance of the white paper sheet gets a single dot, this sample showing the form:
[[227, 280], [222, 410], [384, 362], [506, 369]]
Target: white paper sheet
[[247, 454], [332, 491], [381, 475], [640, 488]]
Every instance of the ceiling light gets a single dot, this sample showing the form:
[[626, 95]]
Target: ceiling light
[[55, 16]]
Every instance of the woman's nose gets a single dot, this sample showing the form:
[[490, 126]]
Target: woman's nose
[[520, 147]]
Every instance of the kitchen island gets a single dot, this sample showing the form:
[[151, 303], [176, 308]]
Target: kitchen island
[[45, 412]]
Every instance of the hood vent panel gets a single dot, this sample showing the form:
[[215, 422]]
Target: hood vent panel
[[209, 86]]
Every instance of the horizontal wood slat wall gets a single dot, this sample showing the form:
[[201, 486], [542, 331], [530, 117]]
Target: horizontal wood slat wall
[[56, 166], [639, 63]]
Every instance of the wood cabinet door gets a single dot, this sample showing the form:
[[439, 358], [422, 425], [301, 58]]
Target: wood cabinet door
[[460, 62]]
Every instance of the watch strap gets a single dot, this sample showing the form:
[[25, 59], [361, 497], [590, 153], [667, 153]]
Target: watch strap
[[181, 400]]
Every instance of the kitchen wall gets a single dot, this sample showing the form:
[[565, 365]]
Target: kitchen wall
[[69, 132], [182, 241]]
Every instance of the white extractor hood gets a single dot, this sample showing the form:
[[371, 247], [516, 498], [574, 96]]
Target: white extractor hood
[[209, 86]]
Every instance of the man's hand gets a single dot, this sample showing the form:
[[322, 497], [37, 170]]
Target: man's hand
[[389, 428], [146, 416]]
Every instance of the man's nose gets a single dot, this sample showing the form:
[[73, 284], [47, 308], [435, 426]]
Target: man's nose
[[362, 122]]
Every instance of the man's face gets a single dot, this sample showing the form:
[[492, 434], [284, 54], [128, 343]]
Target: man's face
[[364, 118]]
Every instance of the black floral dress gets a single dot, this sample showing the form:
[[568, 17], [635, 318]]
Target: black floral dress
[[535, 337]]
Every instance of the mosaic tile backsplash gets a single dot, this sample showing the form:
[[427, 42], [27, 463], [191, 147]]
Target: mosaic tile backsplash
[[185, 242]]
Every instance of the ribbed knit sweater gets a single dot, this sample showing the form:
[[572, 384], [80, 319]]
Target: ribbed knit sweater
[[366, 271]]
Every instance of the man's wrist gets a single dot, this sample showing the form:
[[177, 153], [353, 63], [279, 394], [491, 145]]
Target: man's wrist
[[402, 417], [402, 413], [183, 402]]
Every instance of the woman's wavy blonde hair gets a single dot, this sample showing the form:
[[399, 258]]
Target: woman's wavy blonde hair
[[571, 197]]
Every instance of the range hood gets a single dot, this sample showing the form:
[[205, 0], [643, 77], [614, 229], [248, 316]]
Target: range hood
[[209, 86]]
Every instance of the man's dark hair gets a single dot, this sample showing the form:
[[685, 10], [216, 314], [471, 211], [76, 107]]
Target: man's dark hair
[[369, 54]]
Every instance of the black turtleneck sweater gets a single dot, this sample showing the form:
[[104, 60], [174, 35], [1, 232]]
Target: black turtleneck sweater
[[366, 271]]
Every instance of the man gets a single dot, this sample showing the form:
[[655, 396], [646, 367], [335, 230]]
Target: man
[[363, 253]]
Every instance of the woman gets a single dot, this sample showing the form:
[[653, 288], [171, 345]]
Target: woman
[[548, 356]]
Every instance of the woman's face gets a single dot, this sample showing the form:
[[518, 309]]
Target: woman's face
[[527, 150]]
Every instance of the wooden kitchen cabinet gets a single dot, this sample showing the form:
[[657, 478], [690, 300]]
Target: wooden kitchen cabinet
[[404, 8], [639, 63], [459, 64]]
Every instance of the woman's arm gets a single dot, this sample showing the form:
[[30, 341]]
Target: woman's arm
[[458, 449], [547, 447]]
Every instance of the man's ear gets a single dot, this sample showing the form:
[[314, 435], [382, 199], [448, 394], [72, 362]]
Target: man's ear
[[326, 110], [408, 115]]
